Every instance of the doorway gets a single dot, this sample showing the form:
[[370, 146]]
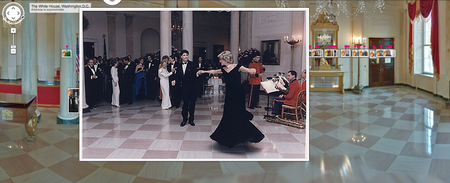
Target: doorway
[[381, 70], [89, 49]]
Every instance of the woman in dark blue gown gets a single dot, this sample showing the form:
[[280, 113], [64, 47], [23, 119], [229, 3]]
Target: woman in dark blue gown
[[235, 126]]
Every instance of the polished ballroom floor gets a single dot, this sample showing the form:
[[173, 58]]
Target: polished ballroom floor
[[145, 131], [406, 136]]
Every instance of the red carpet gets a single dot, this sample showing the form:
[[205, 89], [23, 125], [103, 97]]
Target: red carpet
[[48, 96]]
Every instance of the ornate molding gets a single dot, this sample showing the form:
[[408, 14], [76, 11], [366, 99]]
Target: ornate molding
[[381, 21], [323, 21], [271, 17]]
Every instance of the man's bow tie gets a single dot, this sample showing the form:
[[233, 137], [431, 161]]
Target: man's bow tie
[[184, 63]]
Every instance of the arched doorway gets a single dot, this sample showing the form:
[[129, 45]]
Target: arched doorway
[[149, 41]]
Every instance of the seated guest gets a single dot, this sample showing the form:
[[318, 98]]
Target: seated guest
[[291, 97]]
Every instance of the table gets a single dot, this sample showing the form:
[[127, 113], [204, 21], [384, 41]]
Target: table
[[339, 74], [216, 82], [17, 108]]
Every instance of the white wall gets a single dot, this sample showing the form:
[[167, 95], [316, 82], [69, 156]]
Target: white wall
[[274, 25]]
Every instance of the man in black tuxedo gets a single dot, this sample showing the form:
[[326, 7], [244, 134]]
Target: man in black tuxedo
[[188, 78], [174, 82], [126, 81], [152, 67], [90, 81]]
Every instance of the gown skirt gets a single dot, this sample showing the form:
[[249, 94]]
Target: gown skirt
[[235, 126]]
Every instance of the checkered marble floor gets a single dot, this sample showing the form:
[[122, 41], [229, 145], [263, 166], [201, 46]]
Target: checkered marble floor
[[54, 156], [144, 131]]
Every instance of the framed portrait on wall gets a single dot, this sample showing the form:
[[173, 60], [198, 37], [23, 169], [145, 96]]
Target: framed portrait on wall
[[270, 52]]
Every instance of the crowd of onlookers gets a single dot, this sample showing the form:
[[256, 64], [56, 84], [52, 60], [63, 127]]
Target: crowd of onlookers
[[125, 80]]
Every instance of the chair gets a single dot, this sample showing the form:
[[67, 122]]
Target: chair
[[222, 88], [298, 108], [208, 88], [57, 75]]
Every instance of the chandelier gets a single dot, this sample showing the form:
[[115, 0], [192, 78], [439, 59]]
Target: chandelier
[[331, 7], [176, 26], [324, 38]]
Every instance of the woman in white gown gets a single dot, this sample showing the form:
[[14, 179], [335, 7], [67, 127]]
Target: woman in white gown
[[115, 84], [164, 82]]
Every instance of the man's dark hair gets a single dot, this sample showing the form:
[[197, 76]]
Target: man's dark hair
[[184, 51], [293, 73], [126, 59], [173, 56]]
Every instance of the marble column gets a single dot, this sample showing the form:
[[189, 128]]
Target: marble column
[[129, 33], [68, 67], [165, 33], [234, 34], [246, 30], [111, 34], [193, 4], [50, 46], [188, 33], [29, 45], [298, 30]]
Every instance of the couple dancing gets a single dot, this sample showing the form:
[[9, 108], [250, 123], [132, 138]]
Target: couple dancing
[[235, 126]]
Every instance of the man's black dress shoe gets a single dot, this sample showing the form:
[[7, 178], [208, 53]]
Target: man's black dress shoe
[[95, 106], [183, 123], [251, 107], [258, 106], [192, 123]]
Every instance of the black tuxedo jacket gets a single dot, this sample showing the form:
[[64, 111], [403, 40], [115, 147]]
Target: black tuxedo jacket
[[189, 78], [87, 76], [128, 73], [153, 68], [175, 75]]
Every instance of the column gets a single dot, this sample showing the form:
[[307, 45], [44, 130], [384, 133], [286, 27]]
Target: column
[[29, 45], [50, 46], [129, 33], [234, 34], [68, 67], [297, 30], [246, 30], [188, 33], [165, 33], [111, 34]]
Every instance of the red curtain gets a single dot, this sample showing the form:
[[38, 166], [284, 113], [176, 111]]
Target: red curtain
[[435, 39], [410, 49], [423, 8]]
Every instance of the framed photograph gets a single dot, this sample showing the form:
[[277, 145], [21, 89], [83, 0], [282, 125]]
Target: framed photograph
[[355, 53], [373, 54], [317, 53], [345, 53], [363, 53], [331, 53], [74, 100], [379, 53], [270, 52]]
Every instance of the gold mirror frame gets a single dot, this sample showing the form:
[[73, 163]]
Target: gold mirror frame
[[321, 23]]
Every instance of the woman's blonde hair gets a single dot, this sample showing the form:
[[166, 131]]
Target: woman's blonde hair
[[227, 56]]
